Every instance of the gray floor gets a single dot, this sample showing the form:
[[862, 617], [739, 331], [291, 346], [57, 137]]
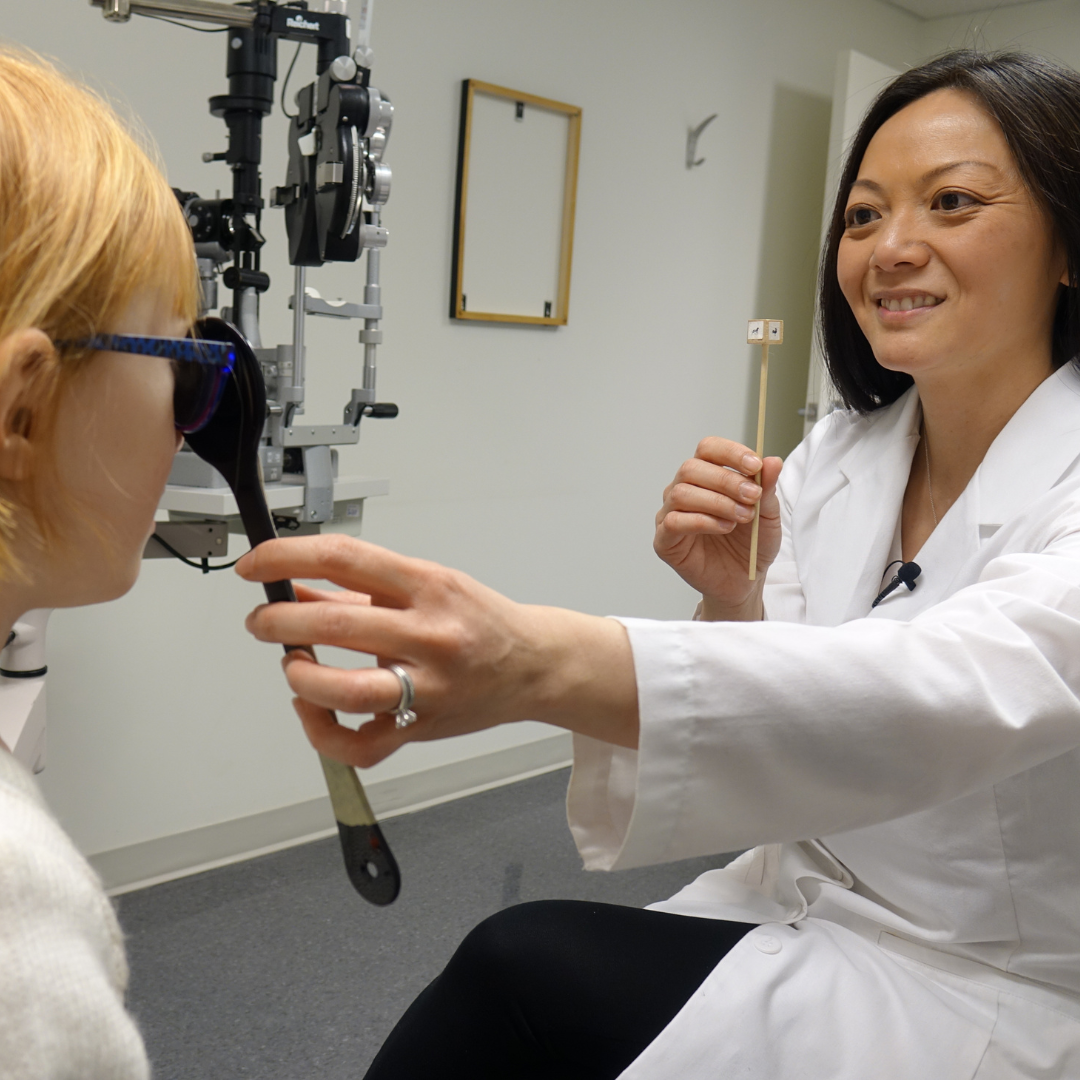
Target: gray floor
[[276, 969]]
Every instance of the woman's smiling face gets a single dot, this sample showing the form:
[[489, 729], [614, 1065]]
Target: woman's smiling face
[[948, 263]]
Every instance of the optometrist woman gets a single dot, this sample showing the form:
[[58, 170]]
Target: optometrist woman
[[97, 382], [907, 776]]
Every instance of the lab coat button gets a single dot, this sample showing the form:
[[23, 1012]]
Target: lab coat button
[[766, 943]]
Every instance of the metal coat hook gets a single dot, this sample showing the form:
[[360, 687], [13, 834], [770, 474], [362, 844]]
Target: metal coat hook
[[691, 142]]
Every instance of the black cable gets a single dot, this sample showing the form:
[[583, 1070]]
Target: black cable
[[285, 84], [186, 26], [204, 565]]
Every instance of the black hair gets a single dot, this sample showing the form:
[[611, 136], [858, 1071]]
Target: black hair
[[1036, 103]]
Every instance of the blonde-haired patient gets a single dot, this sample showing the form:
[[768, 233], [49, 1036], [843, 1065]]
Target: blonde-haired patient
[[87, 437]]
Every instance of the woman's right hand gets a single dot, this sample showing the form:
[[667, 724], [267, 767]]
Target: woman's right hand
[[703, 528], [476, 658]]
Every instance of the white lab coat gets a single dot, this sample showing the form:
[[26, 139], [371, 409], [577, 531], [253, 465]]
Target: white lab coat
[[931, 746]]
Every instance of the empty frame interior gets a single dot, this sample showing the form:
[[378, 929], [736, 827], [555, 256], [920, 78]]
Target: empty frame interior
[[514, 221]]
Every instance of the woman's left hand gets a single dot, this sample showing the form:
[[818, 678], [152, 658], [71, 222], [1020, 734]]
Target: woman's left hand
[[476, 658]]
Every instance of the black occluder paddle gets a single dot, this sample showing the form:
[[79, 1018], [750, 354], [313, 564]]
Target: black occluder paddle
[[230, 443]]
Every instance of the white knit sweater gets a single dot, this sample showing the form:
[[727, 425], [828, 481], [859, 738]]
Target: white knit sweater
[[62, 966]]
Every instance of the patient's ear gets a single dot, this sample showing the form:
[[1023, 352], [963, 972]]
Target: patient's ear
[[23, 355]]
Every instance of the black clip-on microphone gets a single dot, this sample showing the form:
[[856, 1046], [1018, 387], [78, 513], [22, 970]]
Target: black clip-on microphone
[[906, 575]]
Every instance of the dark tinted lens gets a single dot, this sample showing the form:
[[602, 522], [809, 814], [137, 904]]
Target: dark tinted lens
[[197, 392]]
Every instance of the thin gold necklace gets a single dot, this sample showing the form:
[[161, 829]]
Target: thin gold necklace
[[929, 483]]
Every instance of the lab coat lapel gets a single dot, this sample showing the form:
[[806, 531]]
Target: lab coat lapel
[[855, 526], [1033, 452]]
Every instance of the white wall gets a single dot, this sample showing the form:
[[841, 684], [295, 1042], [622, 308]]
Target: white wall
[[1051, 28], [533, 459]]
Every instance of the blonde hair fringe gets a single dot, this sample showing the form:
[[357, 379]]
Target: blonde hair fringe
[[87, 220]]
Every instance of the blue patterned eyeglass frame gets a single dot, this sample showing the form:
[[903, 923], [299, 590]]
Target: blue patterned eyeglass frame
[[194, 350], [211, 362]]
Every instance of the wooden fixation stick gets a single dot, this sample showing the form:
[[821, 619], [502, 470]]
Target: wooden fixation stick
[[763, 332]]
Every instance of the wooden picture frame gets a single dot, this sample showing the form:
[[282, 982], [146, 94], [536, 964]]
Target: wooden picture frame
[[459, 286]]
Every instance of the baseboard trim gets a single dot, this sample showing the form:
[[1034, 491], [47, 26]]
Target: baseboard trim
[[165, 858]]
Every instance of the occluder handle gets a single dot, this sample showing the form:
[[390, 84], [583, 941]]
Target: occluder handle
[[280, 592], [371, 866]]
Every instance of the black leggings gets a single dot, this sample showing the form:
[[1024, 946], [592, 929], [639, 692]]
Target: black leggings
[[554, 989]]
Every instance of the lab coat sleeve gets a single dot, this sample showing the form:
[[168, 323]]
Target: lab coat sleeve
[[770, 732]]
